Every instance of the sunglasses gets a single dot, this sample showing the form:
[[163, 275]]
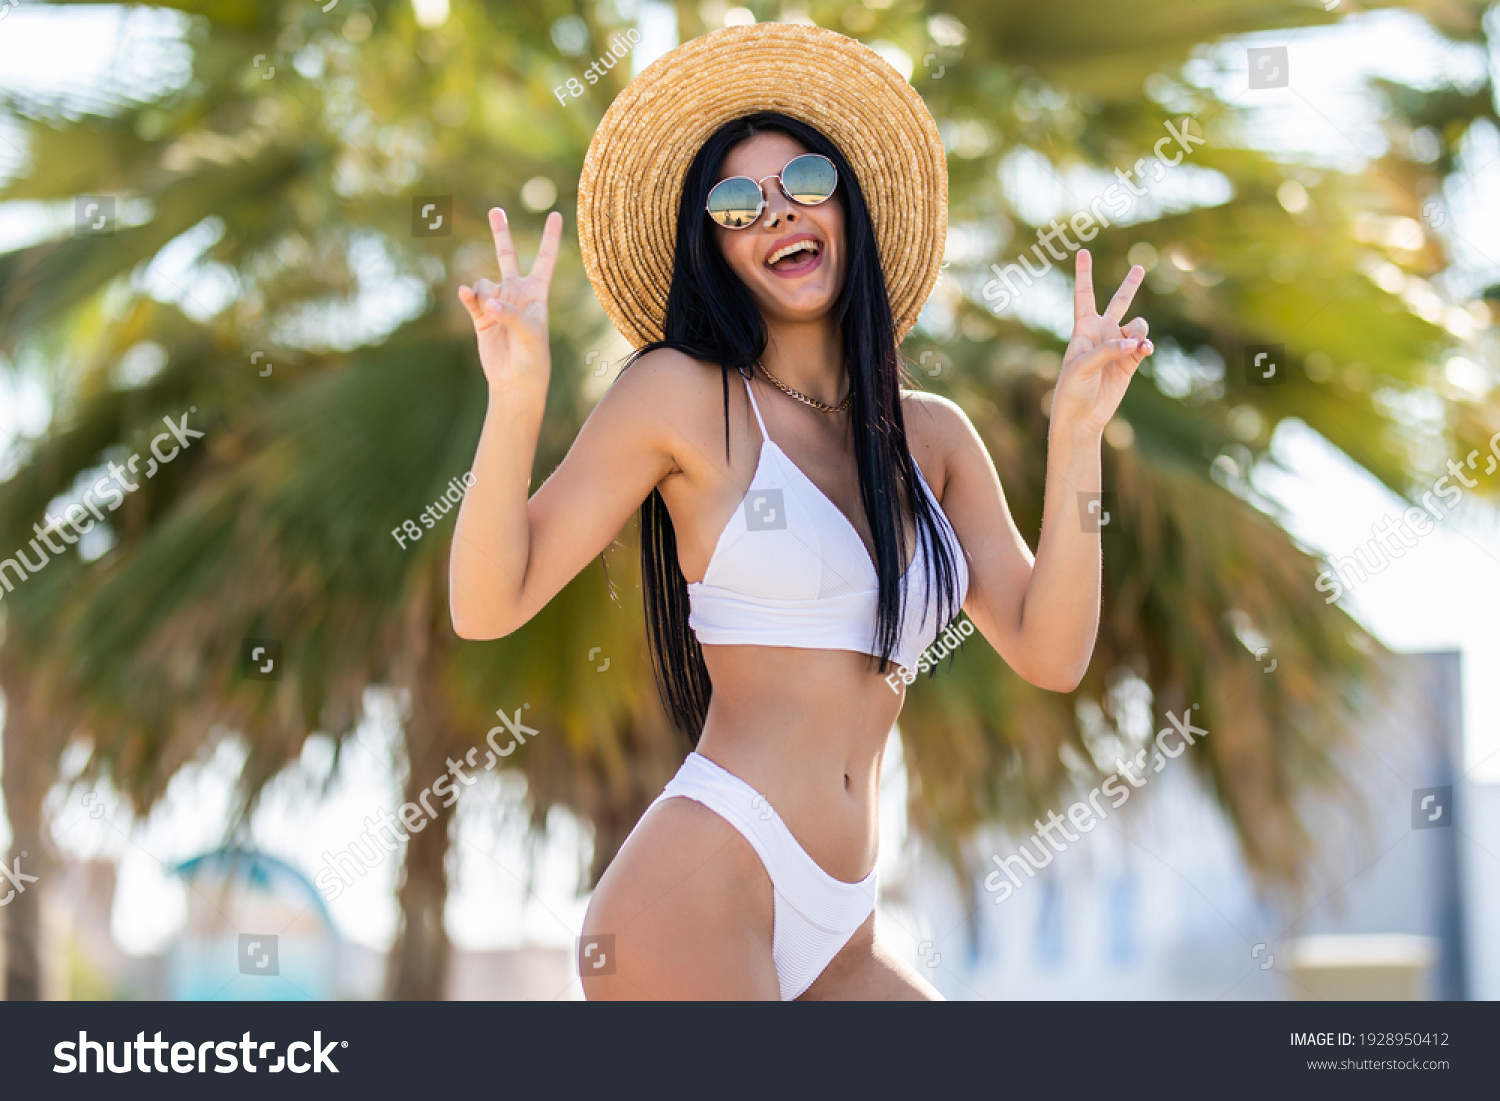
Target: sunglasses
[[738, 202]]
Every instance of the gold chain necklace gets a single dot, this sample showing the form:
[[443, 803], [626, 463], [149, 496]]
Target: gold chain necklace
[[803, 398]]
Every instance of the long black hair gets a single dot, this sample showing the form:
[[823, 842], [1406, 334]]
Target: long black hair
[[711, 316]]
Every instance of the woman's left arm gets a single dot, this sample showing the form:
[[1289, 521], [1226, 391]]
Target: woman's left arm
[[1041, 614]]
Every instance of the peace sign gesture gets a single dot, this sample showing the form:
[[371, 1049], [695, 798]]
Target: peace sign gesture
[[1102, 357], [510, 317]]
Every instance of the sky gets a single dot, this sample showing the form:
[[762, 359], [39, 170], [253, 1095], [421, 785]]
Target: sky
[[510, 889]]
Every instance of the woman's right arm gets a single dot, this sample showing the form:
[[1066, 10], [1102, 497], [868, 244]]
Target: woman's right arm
[[512, 554]]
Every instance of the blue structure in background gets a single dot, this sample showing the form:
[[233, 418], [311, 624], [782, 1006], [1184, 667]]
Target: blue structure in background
[[257, 930]]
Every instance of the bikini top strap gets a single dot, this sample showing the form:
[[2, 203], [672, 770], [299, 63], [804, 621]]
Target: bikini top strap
[[759, 419]]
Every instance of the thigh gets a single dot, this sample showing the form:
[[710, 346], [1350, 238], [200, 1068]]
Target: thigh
[[865, 970], [689, 906]]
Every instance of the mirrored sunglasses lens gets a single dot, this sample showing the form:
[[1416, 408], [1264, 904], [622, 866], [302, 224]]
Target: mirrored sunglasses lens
[[734, 203], [809, 179]]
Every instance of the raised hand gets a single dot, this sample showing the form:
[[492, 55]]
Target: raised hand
[[510, 317], [1102, 357]]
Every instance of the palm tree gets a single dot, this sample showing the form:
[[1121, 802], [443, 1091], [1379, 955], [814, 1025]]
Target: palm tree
[[1201, 566], [286, 527], [278, 526], [159, 687]]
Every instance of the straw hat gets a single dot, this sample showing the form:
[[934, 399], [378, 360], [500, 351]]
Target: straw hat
[[633, 174]]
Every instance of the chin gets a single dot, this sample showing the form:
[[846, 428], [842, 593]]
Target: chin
[[799, 310], [783, 303]]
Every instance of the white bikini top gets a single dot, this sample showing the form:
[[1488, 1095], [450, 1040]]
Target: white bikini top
[[789, 569]]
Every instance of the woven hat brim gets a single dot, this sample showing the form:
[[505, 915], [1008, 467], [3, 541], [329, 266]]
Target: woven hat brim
[[631, 185]]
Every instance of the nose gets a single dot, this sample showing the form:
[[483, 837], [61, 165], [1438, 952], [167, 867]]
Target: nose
[[778, 209]]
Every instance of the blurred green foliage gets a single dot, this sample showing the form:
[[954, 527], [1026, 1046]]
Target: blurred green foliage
[[285, 169]]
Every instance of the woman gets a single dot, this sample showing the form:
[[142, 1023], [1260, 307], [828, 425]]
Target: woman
[[762, 213]]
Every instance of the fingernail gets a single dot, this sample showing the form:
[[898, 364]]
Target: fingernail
[[1149, 347]]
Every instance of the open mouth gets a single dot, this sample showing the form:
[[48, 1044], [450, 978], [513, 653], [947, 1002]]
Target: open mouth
[[795, 256]]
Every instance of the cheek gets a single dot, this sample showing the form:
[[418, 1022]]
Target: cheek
[[834, 230], [737, 251]]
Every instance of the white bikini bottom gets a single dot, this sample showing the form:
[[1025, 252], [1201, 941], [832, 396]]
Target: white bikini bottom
[[814, 914]]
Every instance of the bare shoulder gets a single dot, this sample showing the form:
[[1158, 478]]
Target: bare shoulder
[[936, 428], [687, 906], [934, 413], [682, 397], [671, 380], [661, 372]]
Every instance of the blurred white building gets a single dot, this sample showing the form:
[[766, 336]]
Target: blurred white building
[[1155, 901]]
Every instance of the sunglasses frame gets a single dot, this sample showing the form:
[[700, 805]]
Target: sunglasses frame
[[760, 185]]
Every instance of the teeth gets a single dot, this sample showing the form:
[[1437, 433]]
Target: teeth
[[788, 250]]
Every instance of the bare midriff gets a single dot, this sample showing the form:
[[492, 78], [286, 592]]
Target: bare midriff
[[807, 729]]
